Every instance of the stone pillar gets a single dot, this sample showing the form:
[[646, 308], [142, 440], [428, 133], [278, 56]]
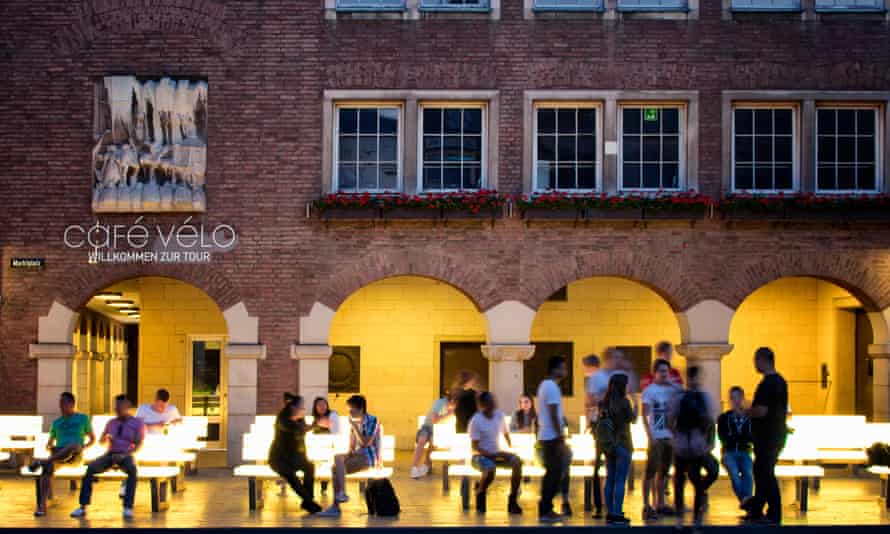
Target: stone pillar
[[312, 369], [880, 357], [707, 356], [55, 371], [505, 372], [241, 402]]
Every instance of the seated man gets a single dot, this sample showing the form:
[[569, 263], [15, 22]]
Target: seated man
[[66, 443], [364, 451], [160, 414], [124, 434], [486, 427]]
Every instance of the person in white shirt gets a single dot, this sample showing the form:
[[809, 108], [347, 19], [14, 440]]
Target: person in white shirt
[[658, 400], [550, 437], [485, 429], [160, 414]]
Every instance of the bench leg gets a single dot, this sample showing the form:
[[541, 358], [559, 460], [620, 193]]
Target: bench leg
[[72, 485], [465, 493], [883, 488], [804, 494], [817, 485], [886, 483], [255, 494], [630, 478], [362, 486], [446, 483], [588, 493], [159, 491], [177, 484]]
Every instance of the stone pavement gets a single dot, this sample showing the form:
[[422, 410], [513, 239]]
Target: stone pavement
[[214, 499]]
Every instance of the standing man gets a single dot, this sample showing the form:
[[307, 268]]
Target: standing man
[[550, 438], [593, 374], [124, 434], [663, 351], [768, 411], [657, 400], [160, 414], [66, 443]]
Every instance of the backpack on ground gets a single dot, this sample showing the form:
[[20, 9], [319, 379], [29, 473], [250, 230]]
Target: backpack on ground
[[381, 498], [878, 454]]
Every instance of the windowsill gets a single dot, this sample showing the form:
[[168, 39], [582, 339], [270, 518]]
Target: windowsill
[[653, 10], [600, 9], [767, 10], [370, 9], [486, 9], [853, 11]]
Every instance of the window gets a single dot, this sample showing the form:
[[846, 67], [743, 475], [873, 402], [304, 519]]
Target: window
[[846, 152], [566, 149], [766, 5], [455, 4], [344, 370], [640, 357], [370, 5], [580, 5], [651, 5], [849, 5], [651, 151], [453, 147], [535, 368], [367, 148], [763, 151]]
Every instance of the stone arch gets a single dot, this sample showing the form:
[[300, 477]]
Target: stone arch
[[646, 270], [478, 285]]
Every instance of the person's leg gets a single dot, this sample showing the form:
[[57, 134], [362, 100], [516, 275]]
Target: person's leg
[[648, 478], [308, 469], [419, 448], [746, 477], [761, 468], [566, 482], [128, 466], [99, 465], [693, 471], [597, 482], [665, 459], [731, 463], [622, 469], [288, 472], [680, 467], [45, 481], [611, 476], [552, 472], [339, 475], [773, 493]]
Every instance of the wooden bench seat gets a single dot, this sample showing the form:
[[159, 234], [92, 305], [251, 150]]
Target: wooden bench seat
[[158, 477]]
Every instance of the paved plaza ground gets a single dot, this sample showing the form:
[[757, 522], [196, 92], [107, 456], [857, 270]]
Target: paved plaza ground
[[215, 499]]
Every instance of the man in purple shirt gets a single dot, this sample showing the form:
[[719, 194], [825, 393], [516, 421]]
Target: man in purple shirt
[[124, 435]]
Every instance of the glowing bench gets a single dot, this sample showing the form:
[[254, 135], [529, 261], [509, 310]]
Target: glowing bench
[[17, 434], [320, 449], [158, 477]]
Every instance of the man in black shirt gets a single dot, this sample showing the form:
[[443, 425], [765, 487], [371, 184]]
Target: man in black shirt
[[768, 411]]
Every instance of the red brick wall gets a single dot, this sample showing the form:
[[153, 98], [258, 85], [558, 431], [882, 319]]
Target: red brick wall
[[267, 64]]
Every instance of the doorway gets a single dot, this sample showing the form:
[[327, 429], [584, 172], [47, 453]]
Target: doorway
[[206, 388], [864, 367]]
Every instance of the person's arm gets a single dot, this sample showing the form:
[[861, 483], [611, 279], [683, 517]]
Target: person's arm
[[722, 428], [647, 409], [175, 416], [91, 438], [139, 440], [506, 433]]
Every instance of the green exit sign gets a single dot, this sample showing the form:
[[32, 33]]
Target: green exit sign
[[650, 114]]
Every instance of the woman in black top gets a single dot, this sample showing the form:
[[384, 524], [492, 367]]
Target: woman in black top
[[287, 455]]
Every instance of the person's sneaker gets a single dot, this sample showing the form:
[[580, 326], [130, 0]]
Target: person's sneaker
[[311, 506], [128, 513], [34, 466], [341, 497], [39, 513], [551, 517], [123, 491], [415, 472], [751, 517], [79, 512], [513, 507], [598, 513], [424, 470], [666, 511], [566, 509], [617, 520], [649, 514], [480, 502], [333, 511]]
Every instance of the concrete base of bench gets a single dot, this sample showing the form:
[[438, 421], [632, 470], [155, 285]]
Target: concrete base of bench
[[257, 475], [159, 479], [466, 472], [884, 473]]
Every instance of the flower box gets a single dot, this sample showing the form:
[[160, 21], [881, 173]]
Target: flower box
[[483, 214], [350, 214], [807, 207], [608, 214], [552, 214], [655, 214], [413, 213], [869, 214]]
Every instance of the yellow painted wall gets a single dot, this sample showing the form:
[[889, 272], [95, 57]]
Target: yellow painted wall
[[399, 323], [800, 319], [602, 312], [170, 312]]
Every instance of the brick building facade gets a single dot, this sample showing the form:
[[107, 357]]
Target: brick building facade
[[277, 71]]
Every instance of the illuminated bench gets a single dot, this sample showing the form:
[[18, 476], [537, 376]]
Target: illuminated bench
[[883, 472], [17, 434], [320, 448], [828, 439], [158, 477]]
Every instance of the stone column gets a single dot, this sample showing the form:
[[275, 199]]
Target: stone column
[[505, 372], [312, 369], [707, 356], [55, 372], [241, 402], [880, 357]]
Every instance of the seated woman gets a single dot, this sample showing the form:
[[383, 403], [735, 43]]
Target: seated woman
[[287, 455], [324, 421], [440, 410], [486, 428], [364, 451], [525, 419]]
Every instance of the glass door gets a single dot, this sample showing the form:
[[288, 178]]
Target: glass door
[[208, 389]]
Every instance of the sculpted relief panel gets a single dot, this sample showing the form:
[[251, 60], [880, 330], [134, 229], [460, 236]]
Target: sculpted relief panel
[[151, 148]]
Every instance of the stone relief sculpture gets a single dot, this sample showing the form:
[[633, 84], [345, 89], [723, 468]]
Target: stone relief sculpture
[[151, 149]]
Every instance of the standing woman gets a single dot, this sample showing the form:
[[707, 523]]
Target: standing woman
[[525, 419], [287, 455], [616, 413]]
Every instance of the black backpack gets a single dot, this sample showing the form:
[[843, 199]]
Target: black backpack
[[381, 498], [691, 412], [879, 454]]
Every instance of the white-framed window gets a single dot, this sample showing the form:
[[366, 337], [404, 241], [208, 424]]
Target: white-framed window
[[457, 5], [370, 5], [652, 147], [766, 5], [849, 5], [652, 5], [847, 155], [567, 146], [367, 147], [764, 148], [452, 146], [569, 5]]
